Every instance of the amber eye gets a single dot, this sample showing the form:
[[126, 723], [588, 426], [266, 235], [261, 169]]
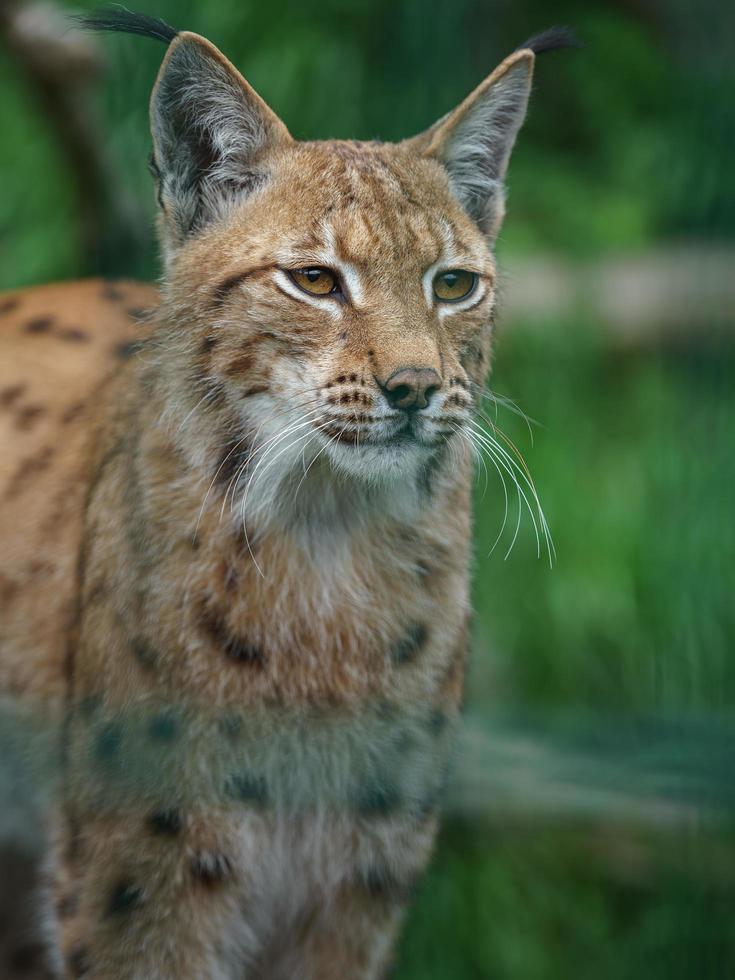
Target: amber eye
[[316, 280], [454, 285]]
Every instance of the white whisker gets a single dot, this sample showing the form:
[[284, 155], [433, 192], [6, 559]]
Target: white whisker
[[514, 466]]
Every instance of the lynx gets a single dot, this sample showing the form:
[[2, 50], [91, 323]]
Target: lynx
[[236, 533]]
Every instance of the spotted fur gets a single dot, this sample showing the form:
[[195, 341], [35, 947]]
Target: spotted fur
[[235, 577]]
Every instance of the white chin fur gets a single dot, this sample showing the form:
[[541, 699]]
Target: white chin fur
[[298, 475], [378, 465]]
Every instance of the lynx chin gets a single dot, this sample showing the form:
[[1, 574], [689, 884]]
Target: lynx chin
[[235, 532]]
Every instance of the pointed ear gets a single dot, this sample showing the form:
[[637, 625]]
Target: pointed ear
[[210, 132], [475, 140]]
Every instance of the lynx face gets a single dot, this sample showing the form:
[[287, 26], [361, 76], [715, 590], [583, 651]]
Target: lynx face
[[337, 296], [361, 319]]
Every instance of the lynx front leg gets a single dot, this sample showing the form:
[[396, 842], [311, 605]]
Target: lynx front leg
[[350, 931], [352, 937], [150, 896]]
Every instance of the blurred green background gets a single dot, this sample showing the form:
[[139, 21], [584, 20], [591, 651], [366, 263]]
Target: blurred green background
[[609, 680]]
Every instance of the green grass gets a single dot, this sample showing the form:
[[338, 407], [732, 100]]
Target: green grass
[[550, 904], [634, 464]]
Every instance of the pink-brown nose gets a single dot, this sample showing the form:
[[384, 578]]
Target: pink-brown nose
[[411, 388]]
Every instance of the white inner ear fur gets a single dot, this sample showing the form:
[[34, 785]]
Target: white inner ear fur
[[476, 151], [209, 129]]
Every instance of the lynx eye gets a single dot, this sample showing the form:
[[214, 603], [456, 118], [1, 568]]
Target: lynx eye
[[454, 285], [316, 280]]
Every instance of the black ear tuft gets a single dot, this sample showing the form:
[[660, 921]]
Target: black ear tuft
[[551, 40], [122, 21]]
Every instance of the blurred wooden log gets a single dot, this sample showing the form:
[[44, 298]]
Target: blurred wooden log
[[652, 772], [63, 66], [667, 295]]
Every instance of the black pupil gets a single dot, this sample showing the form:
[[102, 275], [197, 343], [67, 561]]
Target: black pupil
[[451, 279], [313, 275]]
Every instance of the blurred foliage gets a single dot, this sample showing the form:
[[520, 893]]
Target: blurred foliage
[[629, 143], [635, 464], [540, 904]]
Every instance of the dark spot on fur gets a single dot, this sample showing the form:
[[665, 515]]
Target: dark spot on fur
[[231, 726], [111, 292], [407, 649], [73, 335], [232, 459], [39, 568], [166, 823], [144, 653], [231, 578], [37, 463], [123, 898], [72, 412], [98, 591], [208, 344], [242, 364], [437, 722], [128, 349], [381, 884], [79, 962], [10, 304], [341, 379], [28, 416], [10, 395], [107, 743], [39, 324], [8, 589], [451, 684], [247, 788], [135, 313], [429, 473], [210, 869], [164, 727], [254, 390], [403, 740], [223, 289], [378, 798], [235, 648], [385, 710], [425, 569], [67, 906]]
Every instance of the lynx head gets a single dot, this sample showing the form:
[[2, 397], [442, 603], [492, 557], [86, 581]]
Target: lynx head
[[336, 297]]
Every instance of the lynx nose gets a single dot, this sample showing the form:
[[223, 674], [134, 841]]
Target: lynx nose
[[411, 388]]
